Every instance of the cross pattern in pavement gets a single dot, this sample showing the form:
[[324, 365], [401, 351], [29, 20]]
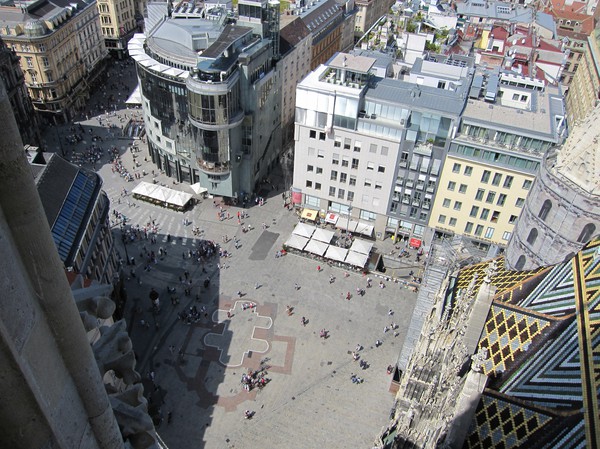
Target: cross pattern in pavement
[[238, 336]]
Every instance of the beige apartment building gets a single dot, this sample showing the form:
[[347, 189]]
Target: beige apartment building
[[61, 51], [118, 24], [369, 11]]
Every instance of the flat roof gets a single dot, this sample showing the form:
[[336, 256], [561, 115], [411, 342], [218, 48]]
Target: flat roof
[[353, 63]]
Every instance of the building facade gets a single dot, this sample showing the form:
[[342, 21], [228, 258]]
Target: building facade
[[77, 210], [562, 213], [370, 149], [211, 94], [118, 23], [584, 91], [494, 157], [369, 12], [61, 51], [14, 82]]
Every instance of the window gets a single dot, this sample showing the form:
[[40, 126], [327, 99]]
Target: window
[[506, 235], [334, 175], [484, 214], [317, 186], [546, 207], [485, 178], [366, 215], [312, 134], [501, 199], [468, 170], [446, 202], [457, 205], [527, 184], [489, 232], [45, 61], [512, 219], [532, 237], [350, 196], [309, 168], [29, 61], [586, 233], [341, 194], [508, 182], [336, 159], [452, 222], [338, 142], [451, 185], [490, 197], [370, 166], [355, 163], [345, 162], [474, 211], [497, 179], [357, 146], [462, 188], [520, 263], [442, 219], [321, 136], [468, 227], [381, 169], [456, 168], [378, 186], [319, 171], [343, 177], [320, 154], [384, 151], [331, 191], [352, 181], [373, 148], [347, 143], [308, 183], [479, 194], [520, 202], [367, 183], [478, 230], [495, 216]]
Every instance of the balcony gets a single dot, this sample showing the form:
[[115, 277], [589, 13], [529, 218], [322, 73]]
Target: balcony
[[213, 167]]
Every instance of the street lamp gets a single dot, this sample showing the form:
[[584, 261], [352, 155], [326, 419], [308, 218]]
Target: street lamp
[[348, 221]]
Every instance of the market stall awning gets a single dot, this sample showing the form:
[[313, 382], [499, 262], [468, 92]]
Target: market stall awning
[[331, 217], [336, 253], [356, 259], [364, 229], [309, 214], [323, 235], [162, 194], [361, 246], [304, 230], [316, 247], [297, 241]]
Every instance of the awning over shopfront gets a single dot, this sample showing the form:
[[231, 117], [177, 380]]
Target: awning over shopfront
[[316, 247], [309, 214], [361, 246], [343, 224], [331, 217], [304, 230], [297, 241], [198, 189], [356, 259], [323, 235], [364, 229], [336, 253], [415, 243]]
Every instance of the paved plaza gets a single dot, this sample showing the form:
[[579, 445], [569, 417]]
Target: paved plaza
[[309, 400]]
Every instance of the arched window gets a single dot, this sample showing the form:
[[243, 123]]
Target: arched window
[[586, 233], [532, 237], [520, 263], [545, 209]]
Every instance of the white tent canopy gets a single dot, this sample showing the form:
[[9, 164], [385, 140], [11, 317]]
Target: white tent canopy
[[323, 235], [198, 189], [336, 253], [162, 194], [296, 241], [356, 259], [316, 247], [304, 230], [361, 246], [344, 225]]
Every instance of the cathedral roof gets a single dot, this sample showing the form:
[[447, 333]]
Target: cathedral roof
[[579, 158]]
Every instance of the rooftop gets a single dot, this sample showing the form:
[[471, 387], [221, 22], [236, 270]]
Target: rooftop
[[353, 63]]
